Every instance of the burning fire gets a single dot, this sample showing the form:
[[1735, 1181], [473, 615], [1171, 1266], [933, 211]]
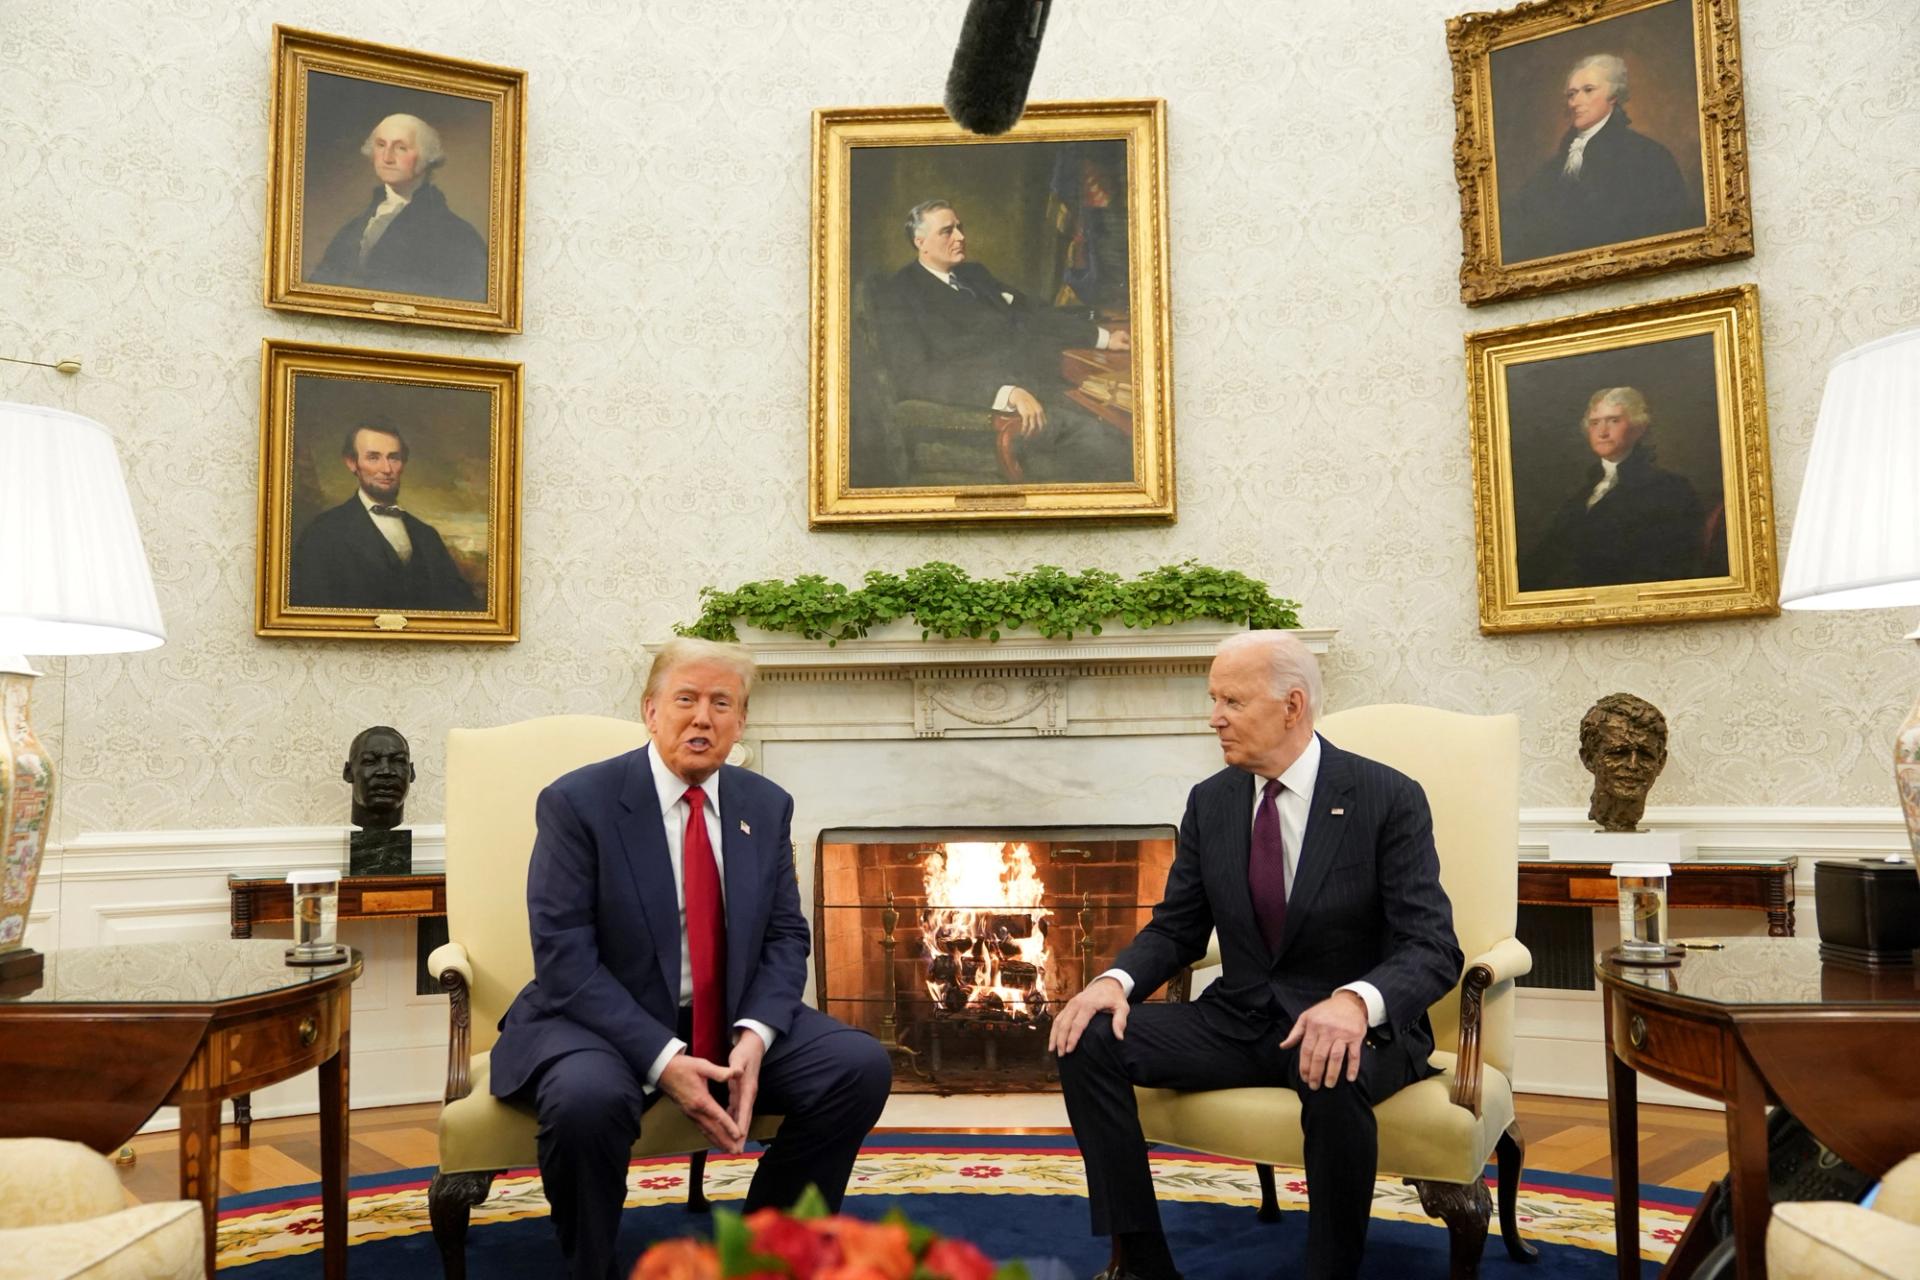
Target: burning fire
[[985, 931]]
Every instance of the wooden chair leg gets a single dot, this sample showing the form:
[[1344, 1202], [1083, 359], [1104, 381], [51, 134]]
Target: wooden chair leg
[[1466, 1209], [1269, 1198], [450, 1201], [697, 1183], [1511, 1152]]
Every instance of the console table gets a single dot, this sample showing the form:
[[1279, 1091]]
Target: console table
[[1752, 1022], [109, 1035], [1735, 884], [251, 902]]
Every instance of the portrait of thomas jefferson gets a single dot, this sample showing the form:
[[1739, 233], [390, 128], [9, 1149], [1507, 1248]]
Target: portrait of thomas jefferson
[[1628, 519], [405, 238]]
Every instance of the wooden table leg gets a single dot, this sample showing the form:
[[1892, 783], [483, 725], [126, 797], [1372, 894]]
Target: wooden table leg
[[1747, 1164], [200, 1169], [1623, 1127], [333, 1159]]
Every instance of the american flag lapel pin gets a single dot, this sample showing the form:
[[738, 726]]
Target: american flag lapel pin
[[745, 830]]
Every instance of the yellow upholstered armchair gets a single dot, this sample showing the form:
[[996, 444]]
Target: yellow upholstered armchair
[[1440, 1133], [63, 1216], [1832, 1240], [493, 778]]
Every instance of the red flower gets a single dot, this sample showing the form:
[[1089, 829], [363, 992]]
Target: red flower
[[804, 1250], [956, 1260], [679, 1260], [982, 1171], [660, 1183], [872, 1250], [304, 1226]]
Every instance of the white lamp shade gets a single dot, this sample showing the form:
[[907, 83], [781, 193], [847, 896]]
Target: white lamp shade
[[74, 577], [1856, 533]]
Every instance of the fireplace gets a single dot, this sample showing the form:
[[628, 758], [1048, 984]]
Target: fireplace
[[956, 946]]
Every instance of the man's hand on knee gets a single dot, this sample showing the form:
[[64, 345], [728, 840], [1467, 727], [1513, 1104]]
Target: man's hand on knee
[[1103, 995], [1330, 1035], [685, 1079]]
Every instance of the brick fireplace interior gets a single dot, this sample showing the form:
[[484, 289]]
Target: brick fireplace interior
[[988, 931]]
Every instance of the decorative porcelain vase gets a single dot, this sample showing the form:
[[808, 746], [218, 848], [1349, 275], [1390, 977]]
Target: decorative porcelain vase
[[1906, 774], [26, 802]]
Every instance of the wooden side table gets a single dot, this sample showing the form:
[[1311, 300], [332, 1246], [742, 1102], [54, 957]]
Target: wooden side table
[[112, 1034], [1752, 1022], [270, 901]]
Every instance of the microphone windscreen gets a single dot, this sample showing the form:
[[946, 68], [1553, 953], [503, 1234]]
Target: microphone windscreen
[[993, 63]]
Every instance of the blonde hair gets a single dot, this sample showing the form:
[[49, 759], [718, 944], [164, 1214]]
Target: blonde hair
[[682, 651]]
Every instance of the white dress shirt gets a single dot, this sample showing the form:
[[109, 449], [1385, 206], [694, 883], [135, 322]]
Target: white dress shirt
[[1293, 803], [1577, 150], [674, 812], [392, 528], [1609, 477], [382, 218], [1003, 403]]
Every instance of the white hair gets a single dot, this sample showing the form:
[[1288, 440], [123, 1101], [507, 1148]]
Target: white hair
[[1612, 68], [425, 137], [684, 651], [1627, 398], [1293, 664]]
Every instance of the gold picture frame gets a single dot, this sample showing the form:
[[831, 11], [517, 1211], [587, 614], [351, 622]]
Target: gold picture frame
[[1681, 526], [389, 495], [394, 188], [1550, 199], [1034, 380]]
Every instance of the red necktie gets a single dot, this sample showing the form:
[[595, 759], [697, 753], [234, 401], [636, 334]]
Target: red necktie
[[1267, 868], [706, 934]]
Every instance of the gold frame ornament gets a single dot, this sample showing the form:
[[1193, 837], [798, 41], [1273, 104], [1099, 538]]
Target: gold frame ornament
[[861, 258], [1558, 33], [1531, 392], [358, 85], [449, 485]]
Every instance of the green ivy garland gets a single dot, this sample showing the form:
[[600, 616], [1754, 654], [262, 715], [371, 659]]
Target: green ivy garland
[[945, 601]]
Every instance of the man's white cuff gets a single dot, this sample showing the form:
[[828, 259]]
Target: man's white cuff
[[761, 1029], [1375, 1002], [1122, 977], [660, 1063]]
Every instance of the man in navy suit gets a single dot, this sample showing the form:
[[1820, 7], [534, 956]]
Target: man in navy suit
[[367, 553], [669, 957], [1317, 869]]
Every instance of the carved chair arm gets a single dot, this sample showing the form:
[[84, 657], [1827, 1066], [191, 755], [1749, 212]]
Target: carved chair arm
[[1505, 961], [450, 964]]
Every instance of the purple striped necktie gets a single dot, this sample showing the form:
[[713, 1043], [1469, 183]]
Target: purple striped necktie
[[1267, 867]]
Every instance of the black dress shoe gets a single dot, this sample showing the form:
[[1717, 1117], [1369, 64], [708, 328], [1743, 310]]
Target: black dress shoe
[[1119, 1272]]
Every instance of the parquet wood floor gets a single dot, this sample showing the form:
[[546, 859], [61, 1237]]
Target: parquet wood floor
[[1679, 1147]]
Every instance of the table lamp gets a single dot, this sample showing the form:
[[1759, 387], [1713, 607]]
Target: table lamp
[[75, 582], [1856, 533]]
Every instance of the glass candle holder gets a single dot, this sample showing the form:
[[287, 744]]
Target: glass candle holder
[[1643, 913], [316, 917]]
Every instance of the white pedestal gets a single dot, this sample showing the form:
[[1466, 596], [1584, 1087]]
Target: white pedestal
[[1585, 844]]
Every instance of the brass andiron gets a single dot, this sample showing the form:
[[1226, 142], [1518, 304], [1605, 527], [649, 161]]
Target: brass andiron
[[1086, 941], [890, 1006]]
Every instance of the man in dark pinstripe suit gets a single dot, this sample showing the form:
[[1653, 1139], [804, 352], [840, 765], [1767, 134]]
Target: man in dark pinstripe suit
[[1318, 870]]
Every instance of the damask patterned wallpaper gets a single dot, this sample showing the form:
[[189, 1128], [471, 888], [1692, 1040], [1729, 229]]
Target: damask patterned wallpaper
[[1322, 434]]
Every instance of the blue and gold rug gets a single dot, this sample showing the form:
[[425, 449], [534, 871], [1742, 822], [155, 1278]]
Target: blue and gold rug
[[1014, 1195]]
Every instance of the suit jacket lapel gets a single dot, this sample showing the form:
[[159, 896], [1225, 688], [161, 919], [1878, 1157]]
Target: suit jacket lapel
[[740, 873], [1235, 847], [645, 840], [1325, 831]]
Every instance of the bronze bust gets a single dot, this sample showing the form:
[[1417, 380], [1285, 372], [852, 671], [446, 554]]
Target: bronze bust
[[380, 769], [1623, 744]]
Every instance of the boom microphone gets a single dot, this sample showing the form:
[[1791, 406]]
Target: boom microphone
[[993, 63]]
